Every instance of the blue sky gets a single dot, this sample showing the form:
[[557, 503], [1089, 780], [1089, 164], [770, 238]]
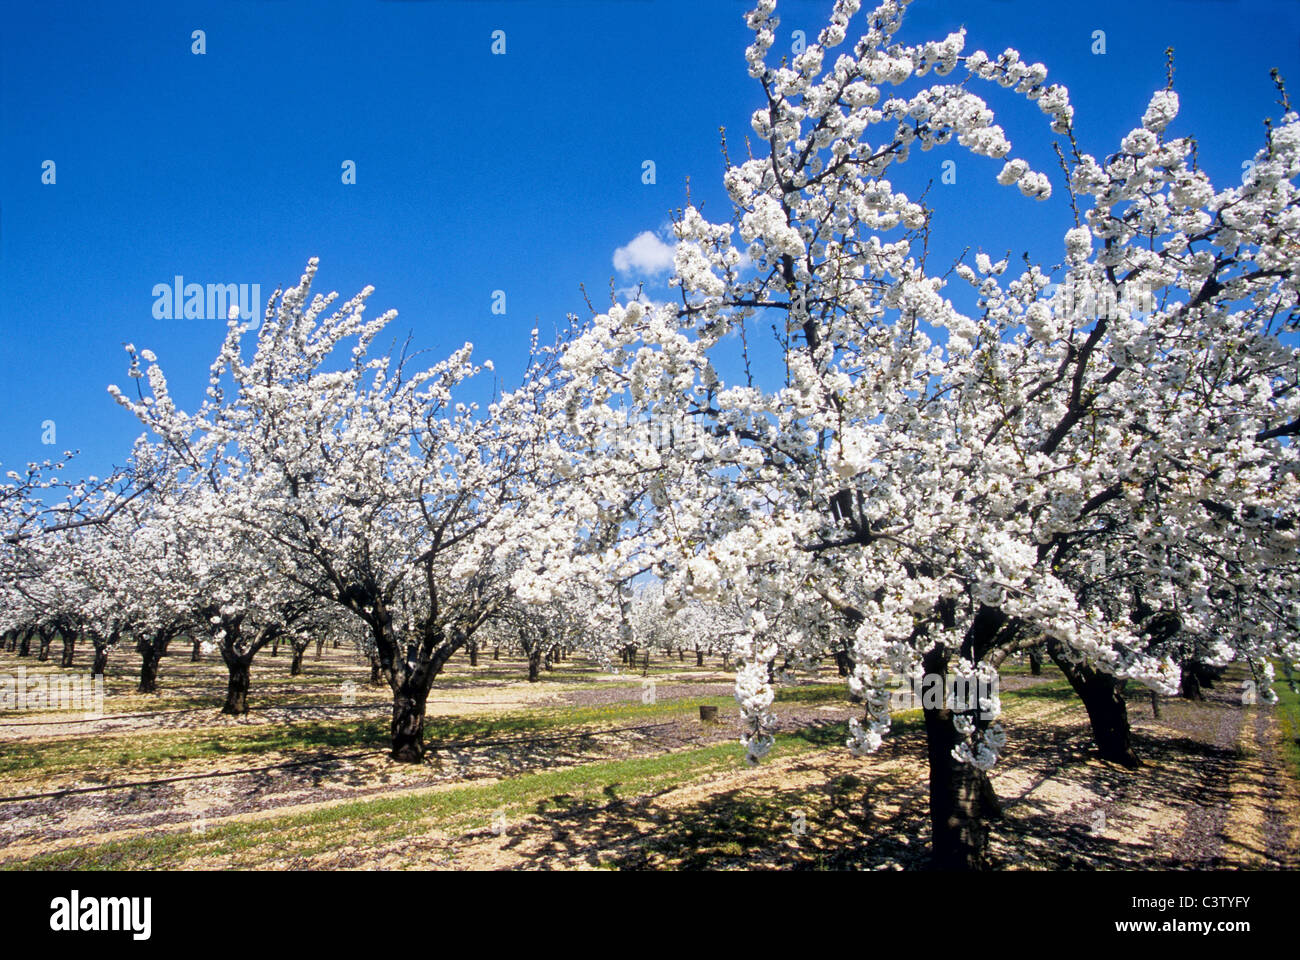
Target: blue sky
[[475, 172]]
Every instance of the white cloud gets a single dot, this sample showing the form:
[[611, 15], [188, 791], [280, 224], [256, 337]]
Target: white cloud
[[646, 254]]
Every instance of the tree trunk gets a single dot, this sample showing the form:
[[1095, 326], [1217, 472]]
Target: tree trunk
[[46, 640], [376, 679], [1155, 705], [236, 704], [473, 654], [496, 653], [408, 725], [1103, 698], [25, 645], [101, 662], [960, 795], [534, 664], [149, 672], [320, 645], [699, 658], [295, 667], [69, 644], [961, 800], [1190, 688], [196, 652], [1035, 662]]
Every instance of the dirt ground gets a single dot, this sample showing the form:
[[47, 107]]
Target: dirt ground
[[1215, 790], [1210, 795]]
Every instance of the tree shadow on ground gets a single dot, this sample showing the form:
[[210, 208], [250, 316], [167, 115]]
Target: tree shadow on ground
[[871, 820]]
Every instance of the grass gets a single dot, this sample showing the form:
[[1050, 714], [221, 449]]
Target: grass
[[372, 823], [167, 748], [423, 824], [154, 748], [79, 754], [814, 693], [1287, 711], [1049, 690]]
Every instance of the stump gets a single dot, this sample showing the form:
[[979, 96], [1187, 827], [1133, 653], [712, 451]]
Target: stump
[[708, 714]]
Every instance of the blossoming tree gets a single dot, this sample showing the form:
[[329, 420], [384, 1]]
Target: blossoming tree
[[360, 481], [1102, 472]]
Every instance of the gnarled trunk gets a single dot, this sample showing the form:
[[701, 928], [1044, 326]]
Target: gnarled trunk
[[69, 645], [961, 800], [408, 724], [149, 672], [25, 644], [236, 704], [151, 649], [46, 639], [1103, 698], [411, 672], [295, 666], [535, 664], [699, 658], [196, 652], [101, 662]]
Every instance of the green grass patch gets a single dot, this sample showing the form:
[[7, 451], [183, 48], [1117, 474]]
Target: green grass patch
[[814, 693], [1056, 690], [1287, 711], [145, 752], [155, 749], [371, 823]]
